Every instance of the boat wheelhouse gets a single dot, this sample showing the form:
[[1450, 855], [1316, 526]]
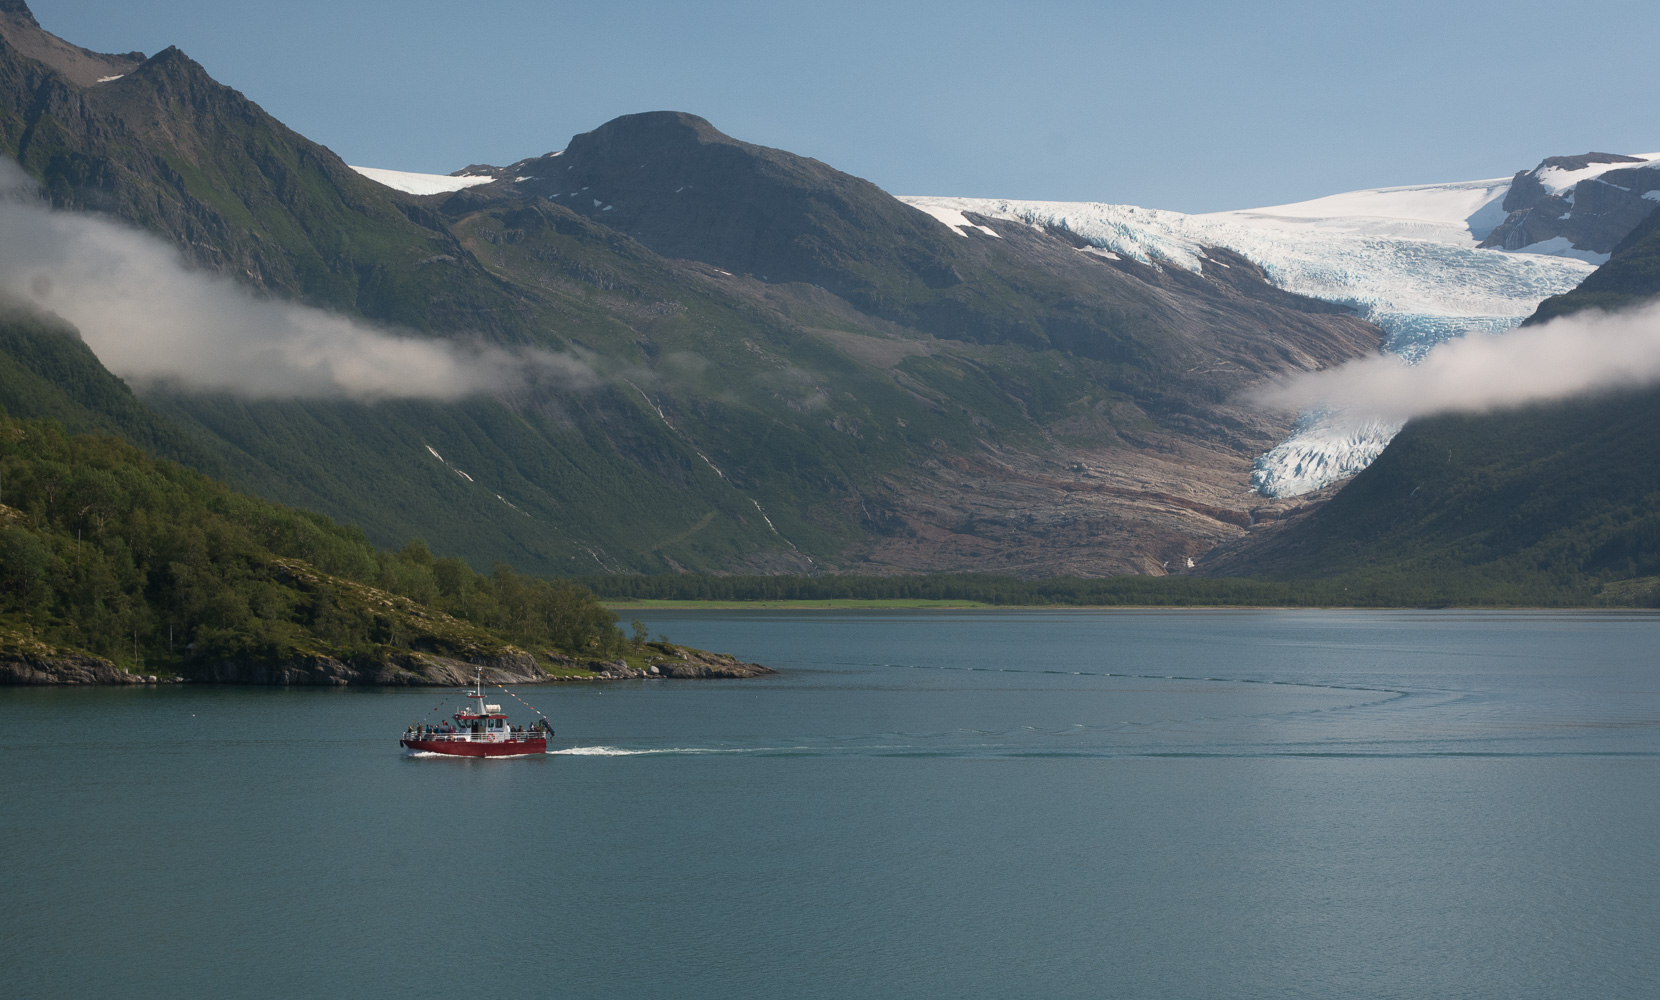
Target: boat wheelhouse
[[479, 730]]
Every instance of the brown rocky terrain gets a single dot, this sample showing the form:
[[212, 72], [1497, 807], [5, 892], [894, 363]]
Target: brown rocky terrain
[[786, 369]]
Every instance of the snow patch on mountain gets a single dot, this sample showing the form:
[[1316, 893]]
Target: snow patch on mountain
[[955, 220], [411, 183], [1448, 212], [1403, 257], [1416, 273], [1556, 180], [1564, 247]]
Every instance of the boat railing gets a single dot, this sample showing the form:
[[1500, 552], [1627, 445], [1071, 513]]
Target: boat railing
[[529, 734]]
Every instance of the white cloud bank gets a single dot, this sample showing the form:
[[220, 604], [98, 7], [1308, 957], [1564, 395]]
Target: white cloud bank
[[152, 320], [1571, 356]]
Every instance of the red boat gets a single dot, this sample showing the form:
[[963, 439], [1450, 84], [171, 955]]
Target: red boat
[[479, 731]]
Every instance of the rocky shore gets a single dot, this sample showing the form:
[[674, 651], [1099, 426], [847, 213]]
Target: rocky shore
[[24, 661], [665, 661]]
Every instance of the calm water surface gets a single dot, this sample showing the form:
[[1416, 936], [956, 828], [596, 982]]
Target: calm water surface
[[943, 804]]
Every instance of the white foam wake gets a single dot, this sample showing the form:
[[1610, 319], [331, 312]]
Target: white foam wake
[[620, 752]]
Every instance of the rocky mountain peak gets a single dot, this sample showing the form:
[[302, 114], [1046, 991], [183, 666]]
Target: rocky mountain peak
[[686, 189], [1591, 213], [651, 133], [20, 32], [1582, 161], [19, 10]]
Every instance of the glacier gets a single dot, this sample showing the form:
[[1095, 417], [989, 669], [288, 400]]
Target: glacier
[[423, 184], [1405, 258]]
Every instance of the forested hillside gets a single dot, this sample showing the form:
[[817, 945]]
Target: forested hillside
[[154, 566]]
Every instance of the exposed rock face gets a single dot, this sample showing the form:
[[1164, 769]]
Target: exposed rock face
[[712, 666], [865, 350], [665, 661], [680, 186], [1632, 275], [404, 669], [64, 667], [699, 664], [26, 663], [1593, 215], [26, 660], [20, 30], [1168, 459]]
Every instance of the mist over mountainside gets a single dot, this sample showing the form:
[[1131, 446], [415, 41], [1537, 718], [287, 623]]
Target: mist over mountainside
[[898, 397], [1566, 493], [1417, 260], [783, 368]]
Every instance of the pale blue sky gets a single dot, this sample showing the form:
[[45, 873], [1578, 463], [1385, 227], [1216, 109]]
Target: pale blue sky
[[1194, 106]]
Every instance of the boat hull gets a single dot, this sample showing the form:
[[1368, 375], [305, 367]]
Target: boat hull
[[469, 748]]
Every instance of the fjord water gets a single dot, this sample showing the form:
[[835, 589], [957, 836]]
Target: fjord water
[[964, 804]]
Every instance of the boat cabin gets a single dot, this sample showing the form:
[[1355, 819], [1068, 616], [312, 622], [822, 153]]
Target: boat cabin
[[489, 724]]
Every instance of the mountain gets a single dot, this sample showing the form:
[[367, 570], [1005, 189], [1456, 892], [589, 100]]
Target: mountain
[[159, 144], [1631, 275], [47, 372], [1528, 504], [782, 367], [767, 365], [1426, 262], [1579, 205], [114, 564]]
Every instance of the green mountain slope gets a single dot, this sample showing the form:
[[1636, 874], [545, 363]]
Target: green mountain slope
[[678, 185], [1547, 500], [785, 369], [47, 372], [107, 552], [1630, 275], [167, 148], [1541, 502]]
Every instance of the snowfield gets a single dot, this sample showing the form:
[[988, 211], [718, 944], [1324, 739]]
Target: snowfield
[[1404, 257], [1557, 180], [403, 180]]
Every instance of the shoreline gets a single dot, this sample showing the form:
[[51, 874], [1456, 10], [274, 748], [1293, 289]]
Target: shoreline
[[901, 604], [37, 664]]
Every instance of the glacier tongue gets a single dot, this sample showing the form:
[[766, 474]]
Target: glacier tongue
[[1404, 258], [1322, 449]]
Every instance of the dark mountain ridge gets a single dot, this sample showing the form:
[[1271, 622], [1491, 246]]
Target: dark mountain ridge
[[792, 370], [680, 186], [1630, 276], [1551, 499]]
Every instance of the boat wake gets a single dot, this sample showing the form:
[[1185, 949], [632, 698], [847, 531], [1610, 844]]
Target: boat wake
[[620, 752]]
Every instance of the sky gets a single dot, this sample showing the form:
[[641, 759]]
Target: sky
[[1191, 106]]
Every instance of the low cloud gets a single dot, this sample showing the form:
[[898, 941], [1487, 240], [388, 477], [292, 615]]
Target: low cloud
[[1575, 355], [152, 320]]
